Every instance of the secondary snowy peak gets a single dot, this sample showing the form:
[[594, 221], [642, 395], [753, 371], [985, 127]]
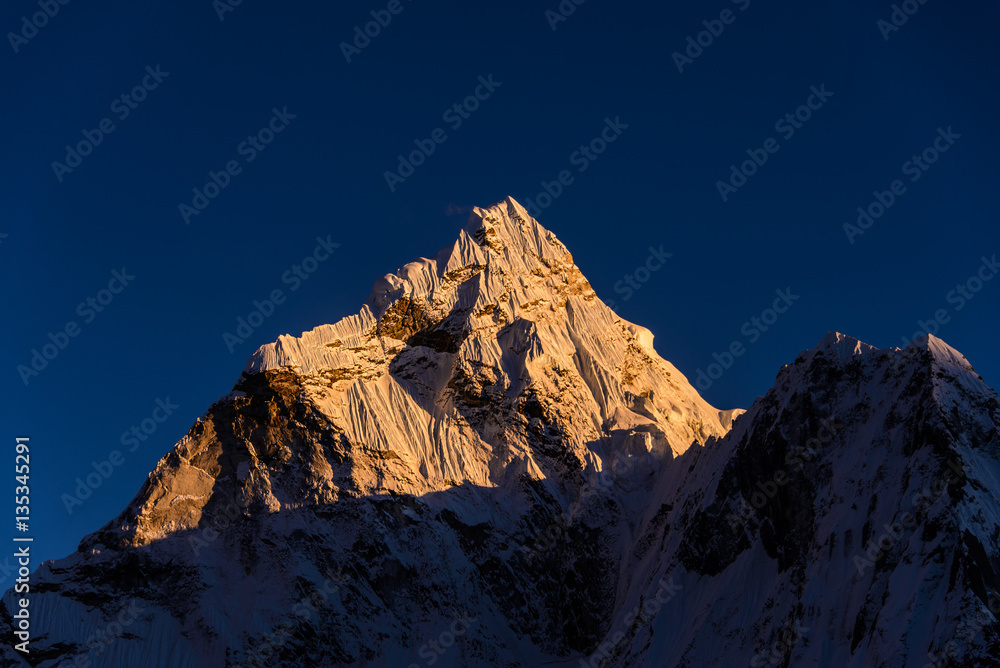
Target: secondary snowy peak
[[858, 499], [926, 351], [927, 367], [843, 346], [942, 354]]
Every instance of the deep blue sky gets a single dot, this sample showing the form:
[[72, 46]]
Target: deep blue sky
[[324, 175]]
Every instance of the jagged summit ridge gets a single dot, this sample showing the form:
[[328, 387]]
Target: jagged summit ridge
[[488, 268], [846, 348], [843, 346], [490, 272]]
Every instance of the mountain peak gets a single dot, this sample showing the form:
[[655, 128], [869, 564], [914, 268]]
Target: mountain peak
[[940, 350], [503, 265], [502, 237], [495, 215], [945, 359], [492, 361], [842, 347]]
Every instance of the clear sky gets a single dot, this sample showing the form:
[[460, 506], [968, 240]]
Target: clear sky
[[299, 141]]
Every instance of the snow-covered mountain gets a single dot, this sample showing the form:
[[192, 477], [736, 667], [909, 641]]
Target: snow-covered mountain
[[848, 519], [486, 466]]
